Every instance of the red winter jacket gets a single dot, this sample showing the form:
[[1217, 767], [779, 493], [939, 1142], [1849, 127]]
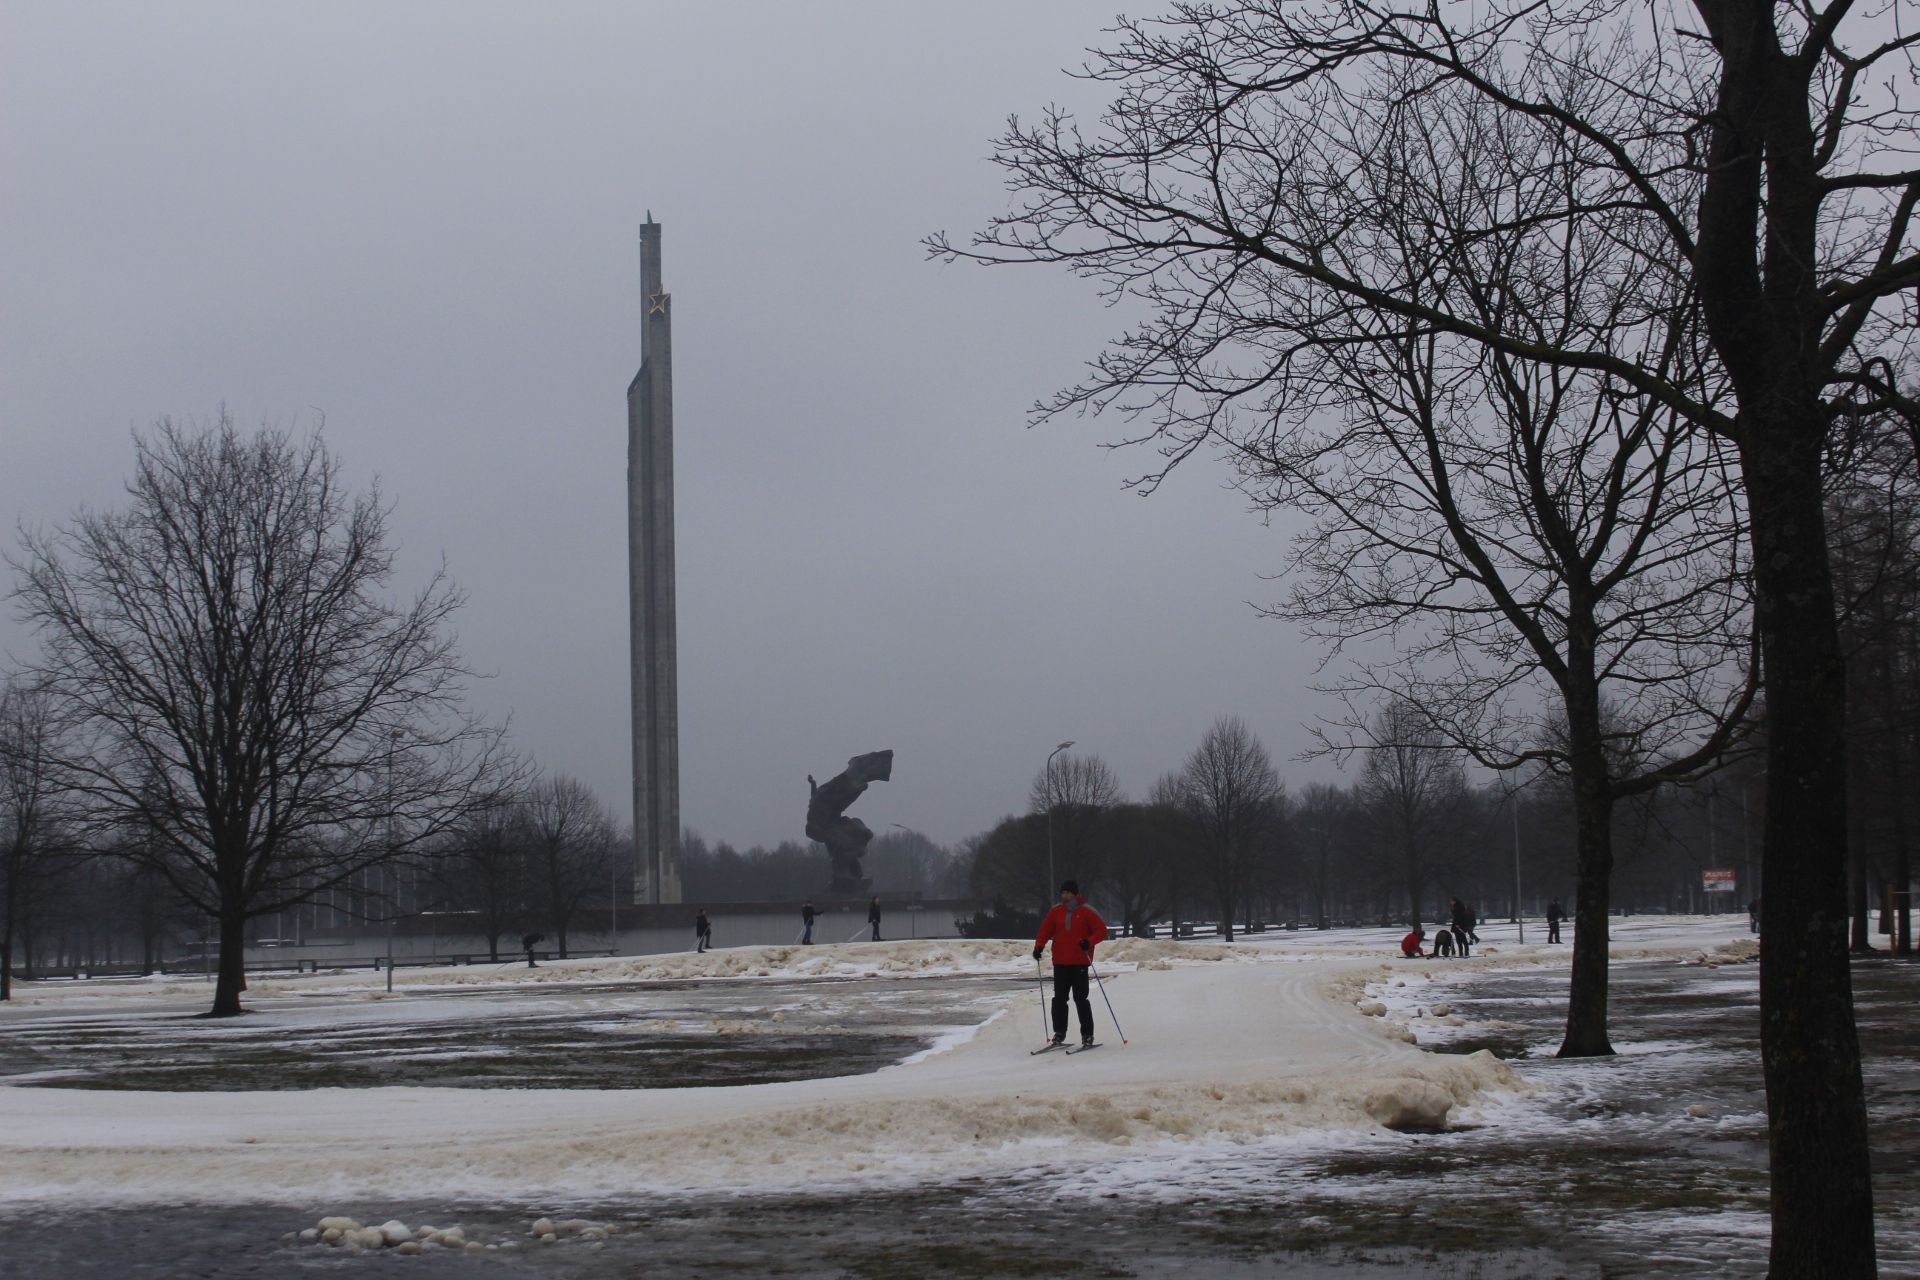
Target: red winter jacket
[[1084, 925]]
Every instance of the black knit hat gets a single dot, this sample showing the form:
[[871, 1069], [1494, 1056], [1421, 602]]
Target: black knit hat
[[1069, 886]]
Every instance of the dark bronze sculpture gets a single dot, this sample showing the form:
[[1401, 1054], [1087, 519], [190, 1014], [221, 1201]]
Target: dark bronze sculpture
[[846, 838]]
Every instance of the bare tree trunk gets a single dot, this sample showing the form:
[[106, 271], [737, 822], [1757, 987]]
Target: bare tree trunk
[[1901, 943], [231, 979], [1859, 908], [1587, 994], [1822, 1195], [1412, 857], [1860, 784]]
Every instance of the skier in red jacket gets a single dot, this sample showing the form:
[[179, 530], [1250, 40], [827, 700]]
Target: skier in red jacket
[[1075, 929]]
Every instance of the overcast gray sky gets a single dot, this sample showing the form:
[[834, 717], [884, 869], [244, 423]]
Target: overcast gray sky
[[418, 220]]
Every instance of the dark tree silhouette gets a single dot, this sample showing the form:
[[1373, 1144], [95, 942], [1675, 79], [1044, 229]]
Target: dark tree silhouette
[[1230, 793], [1765, 165], [232, 688]]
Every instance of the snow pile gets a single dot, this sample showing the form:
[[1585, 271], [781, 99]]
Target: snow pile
[[853, 959], [550, 1230], [347, 1233], [1170, 951], [343, 1232], [1410, 1103], [1738, 951]]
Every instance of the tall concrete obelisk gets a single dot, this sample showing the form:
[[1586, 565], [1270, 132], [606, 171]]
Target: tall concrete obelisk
[[655, 674]]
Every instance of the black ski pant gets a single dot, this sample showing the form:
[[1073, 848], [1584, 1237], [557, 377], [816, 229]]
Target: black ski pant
[[1071, 979]]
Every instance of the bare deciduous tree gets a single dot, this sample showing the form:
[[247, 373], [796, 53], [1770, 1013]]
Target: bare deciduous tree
[[1540, 543], [1768, 166], [1411, 783], [1075, 779], [1322, 815], [1075, 796], [570, 842], [235, 695], [29, 798], [482, 867], [1229, 789]]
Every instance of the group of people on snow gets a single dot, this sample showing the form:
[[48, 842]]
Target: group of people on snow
[[1460, 934]]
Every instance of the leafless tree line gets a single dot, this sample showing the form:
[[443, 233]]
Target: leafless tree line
[[1387, 850]]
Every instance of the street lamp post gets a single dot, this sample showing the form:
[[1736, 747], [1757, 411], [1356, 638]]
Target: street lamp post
[[1519, 911], [613, 901], [1051, 882], [393, 883]]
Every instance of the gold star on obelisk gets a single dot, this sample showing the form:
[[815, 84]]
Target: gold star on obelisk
[[657, 303]]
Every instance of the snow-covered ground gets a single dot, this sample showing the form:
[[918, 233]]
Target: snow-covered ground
[[1226, 1044], [1242, 1124]]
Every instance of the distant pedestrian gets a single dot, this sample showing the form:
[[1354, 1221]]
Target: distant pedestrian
[[1753, 916], [873, 916], [1410, 945], [528, 942], [1075, 929], [1555, 914], [702, 931], [1461, 918], [807, 914]]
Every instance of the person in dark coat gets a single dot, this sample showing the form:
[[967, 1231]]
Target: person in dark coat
[[1555, 914], [807, 914], [702, 931], [1461, 919], [873, 916], [528, 943]]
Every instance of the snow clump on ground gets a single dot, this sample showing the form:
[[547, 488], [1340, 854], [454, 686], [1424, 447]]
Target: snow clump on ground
[[343, 1232]]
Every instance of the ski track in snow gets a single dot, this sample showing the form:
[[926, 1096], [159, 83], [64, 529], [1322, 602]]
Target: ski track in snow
[[1230, 1044]]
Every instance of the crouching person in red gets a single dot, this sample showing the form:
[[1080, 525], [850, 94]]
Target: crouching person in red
[[1410, 945], [1075, 929]]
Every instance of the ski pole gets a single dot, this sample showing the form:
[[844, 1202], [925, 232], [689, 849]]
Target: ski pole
[[1109, 999], [1039, 976], [856, 933]]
